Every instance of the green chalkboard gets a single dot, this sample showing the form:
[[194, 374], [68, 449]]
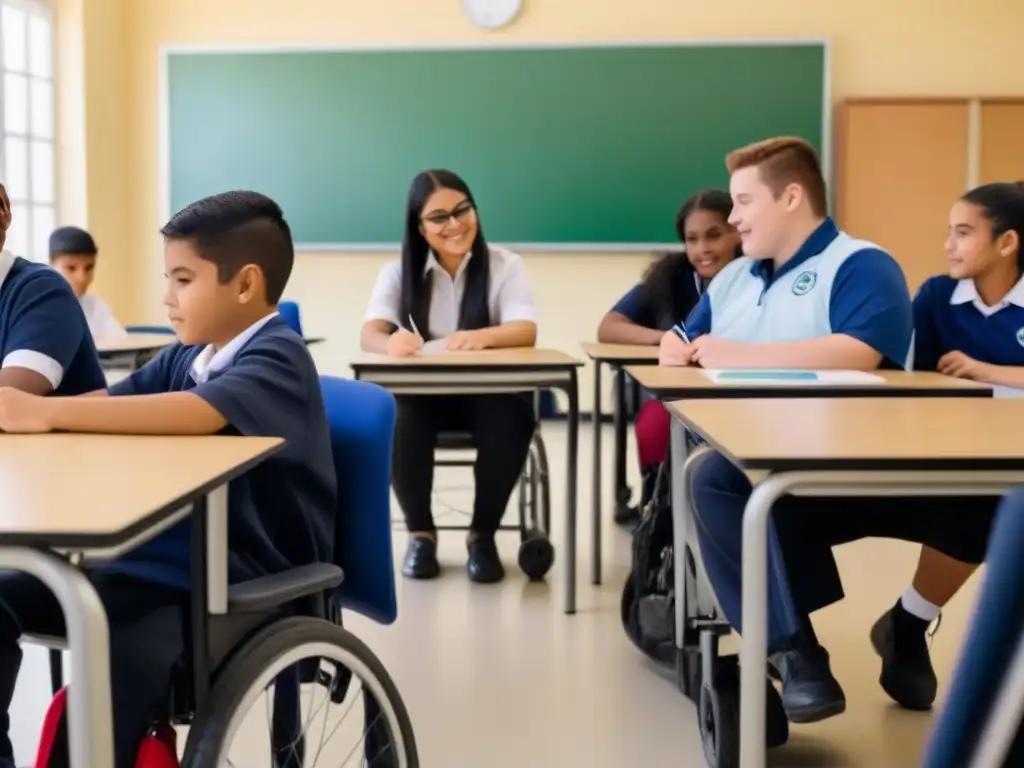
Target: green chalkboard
[[563, 147]]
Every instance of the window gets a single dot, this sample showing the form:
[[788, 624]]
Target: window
[[27, 146]]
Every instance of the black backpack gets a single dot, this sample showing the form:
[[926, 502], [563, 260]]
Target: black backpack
[[648, 596]]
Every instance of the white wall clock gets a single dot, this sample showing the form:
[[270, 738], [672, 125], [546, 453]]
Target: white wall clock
[[491, 14]]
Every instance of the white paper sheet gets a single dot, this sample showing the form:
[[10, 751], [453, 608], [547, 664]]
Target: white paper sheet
[[789, 378], [433, 347]]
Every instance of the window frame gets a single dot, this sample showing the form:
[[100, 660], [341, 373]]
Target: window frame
[[24, 199]]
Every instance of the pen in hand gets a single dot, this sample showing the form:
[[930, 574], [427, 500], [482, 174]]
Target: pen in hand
[[413, 328], [679, 329]]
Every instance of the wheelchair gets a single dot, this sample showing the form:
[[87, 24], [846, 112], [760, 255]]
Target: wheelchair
[[708, 679], [283, 634], [536, 553]]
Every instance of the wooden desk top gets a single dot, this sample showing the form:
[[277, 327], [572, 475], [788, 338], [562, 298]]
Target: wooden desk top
[[98, 491], [134, 342], [858, 433], [676, 382], [620, 354], [523, 358]]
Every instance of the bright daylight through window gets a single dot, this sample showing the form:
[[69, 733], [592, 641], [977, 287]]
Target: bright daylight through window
[[27, 123]]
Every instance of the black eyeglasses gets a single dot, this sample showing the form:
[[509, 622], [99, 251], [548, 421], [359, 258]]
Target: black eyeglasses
[[440, 218]]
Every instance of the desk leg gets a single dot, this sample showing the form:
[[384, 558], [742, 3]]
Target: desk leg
[[595, 482], [622, 492], [681, 468], [754, 646], [572, 447], [89, 709]]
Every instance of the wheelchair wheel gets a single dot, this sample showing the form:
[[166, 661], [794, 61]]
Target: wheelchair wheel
[[718, 715], [536, 555], [311, 659]]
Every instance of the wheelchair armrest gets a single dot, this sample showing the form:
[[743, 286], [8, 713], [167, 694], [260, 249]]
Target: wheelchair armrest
[[268, 592]]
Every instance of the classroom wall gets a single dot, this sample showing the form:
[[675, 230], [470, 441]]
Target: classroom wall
[[924, 47]]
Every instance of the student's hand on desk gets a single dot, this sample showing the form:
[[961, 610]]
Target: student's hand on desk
[[403, 343], [465, 341], [23, 413], [674, 351], [714, 352], [962, 367]]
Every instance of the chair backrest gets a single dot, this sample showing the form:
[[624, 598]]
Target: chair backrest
[[994, 640], [362, 420], [289, 311]]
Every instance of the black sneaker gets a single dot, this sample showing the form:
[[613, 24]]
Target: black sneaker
[[901, 639], [484, 563], [809, 691], [421, 559]]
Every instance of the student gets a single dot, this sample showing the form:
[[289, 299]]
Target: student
[[45, 346], [236, 369], [73, 254], [809, 296], [968, 323], [669, 291], [453, 289]]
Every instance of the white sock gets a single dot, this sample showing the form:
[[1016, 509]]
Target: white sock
[[916, 605]]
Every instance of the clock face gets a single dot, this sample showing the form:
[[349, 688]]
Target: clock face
[[491, 14]]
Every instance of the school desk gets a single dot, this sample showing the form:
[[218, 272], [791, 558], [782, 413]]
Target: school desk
[[616, 357], [489, 371], [132, 349], [116, 493], [926, 446]]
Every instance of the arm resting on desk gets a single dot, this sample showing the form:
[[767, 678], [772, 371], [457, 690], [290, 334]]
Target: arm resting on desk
[[374, 335], [616, 328], [26, 380], [836, 351], [1003, 375], [517, 333], [172, 413]]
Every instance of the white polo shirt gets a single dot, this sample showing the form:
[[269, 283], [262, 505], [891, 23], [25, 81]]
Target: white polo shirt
[[509, 297], [102, 324]]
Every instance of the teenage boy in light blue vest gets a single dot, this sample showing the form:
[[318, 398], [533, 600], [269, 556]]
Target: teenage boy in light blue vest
[[807, 295]]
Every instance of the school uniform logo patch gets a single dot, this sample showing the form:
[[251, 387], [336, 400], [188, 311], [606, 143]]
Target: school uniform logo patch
[[1020, 337], [805, 282]]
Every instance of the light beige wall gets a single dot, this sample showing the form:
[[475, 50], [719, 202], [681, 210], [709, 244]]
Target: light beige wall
[[910, 47]]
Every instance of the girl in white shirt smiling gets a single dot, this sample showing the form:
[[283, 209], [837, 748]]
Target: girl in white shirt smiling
[[452, 288]]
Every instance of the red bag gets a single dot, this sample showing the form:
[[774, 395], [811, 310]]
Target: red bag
[[159, 749]]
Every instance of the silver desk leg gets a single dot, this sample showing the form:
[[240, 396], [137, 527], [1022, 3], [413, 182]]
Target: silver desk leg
[[595, 482], [754, 647], [217, 551], [680, 491], [89, 710]]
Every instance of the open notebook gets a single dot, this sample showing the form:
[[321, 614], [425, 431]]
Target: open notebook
[[790, 378]]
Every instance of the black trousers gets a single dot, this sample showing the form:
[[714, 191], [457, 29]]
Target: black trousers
[[147, 638], [502, 426]]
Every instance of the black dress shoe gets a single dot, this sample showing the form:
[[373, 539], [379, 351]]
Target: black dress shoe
[[900, 638], [809, 691], [484, 564], [421, 559]]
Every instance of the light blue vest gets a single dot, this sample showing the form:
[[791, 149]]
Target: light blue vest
[[795, 307]]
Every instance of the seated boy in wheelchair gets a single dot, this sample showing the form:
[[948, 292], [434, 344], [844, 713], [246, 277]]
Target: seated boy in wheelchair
[[237, 369], [810, 296]]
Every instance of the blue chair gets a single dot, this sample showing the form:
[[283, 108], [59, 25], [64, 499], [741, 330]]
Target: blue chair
[[289, 311], [362, 419], [980, 724]]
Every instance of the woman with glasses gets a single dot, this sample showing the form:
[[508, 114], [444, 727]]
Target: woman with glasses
[[453, 291]]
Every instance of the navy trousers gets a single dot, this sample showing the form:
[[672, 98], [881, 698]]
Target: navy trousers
[[147, 638], [802, 572]]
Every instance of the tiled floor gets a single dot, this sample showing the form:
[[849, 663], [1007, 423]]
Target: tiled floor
[[498, 677]]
